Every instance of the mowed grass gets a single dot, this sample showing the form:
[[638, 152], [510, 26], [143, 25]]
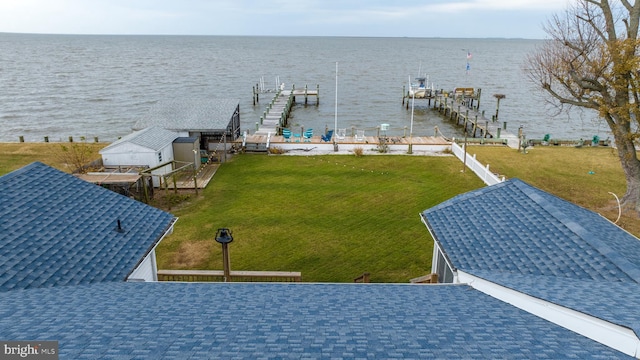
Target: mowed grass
[[16, 155], [584, 176], [330, 217], [335, 217]]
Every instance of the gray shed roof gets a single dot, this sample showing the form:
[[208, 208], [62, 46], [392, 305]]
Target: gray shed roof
[[153, 138], [190, 114]]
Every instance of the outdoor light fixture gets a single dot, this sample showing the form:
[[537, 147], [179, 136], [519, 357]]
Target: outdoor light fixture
[[224, 237]]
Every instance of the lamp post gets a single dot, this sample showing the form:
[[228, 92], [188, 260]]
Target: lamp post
[[223, 236]]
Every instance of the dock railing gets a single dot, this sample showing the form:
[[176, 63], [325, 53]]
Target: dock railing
[[482, 171]]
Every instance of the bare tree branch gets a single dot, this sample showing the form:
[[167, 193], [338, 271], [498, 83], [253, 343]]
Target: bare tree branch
[[587, 64]]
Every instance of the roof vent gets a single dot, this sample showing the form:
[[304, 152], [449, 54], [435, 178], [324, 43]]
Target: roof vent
[[119, 227]]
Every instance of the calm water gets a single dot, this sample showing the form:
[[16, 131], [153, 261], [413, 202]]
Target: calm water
[[72, 85]]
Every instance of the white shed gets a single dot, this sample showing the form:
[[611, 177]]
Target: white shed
[[149, 147]]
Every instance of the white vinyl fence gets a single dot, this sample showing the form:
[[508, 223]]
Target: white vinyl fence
[[482, 171]]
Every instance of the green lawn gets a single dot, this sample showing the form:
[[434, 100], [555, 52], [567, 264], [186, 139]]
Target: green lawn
[[335, 217], [330, 217]]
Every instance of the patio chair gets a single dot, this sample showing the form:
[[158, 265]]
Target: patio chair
[[359, 135], [327, 137], [341, 134], [307, 135], [286, 134]]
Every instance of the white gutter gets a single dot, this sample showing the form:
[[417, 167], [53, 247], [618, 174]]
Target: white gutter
[[615, 336]]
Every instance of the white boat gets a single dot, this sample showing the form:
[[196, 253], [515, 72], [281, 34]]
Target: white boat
[[419, 89]]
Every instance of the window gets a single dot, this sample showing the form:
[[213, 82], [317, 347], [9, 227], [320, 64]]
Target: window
[[445, 274]]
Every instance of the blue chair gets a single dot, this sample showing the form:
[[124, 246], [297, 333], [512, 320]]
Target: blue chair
[[327, 137], [307, 135], [286, 133]]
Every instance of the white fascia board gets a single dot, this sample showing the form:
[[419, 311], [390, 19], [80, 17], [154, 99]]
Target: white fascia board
[[615, 336], [151, 252]]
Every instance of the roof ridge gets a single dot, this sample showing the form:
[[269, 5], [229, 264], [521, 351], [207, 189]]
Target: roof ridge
[[470, 194], [538, 196], [17, 172]]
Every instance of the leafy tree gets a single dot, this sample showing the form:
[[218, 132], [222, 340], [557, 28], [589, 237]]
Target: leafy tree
[[591, 61]]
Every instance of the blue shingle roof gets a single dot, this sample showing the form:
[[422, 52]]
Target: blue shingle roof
[[179, 320], [515, 228], [615, 302], [57, 230]]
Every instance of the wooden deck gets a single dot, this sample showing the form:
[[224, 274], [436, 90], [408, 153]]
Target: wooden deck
[[184, 180]]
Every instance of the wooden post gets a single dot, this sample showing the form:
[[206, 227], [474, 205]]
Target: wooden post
[[226, 263], [403, 92], [145, 187], [175, 184], [498, 97], [225, 146], [195, 178], [475, 126]]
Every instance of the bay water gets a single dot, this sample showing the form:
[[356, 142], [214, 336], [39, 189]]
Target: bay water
[[99, 85]]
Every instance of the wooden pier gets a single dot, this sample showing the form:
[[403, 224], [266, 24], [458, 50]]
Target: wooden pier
[[462, 110], [276, 115]]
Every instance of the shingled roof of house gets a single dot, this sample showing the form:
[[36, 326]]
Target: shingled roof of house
[[57, 230], [513, 227], [251, 320], [535, 248]]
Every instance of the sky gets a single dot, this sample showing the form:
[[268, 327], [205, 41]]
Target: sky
[[369, 18]]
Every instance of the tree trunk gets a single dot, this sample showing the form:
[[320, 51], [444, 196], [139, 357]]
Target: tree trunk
[[631, 167]]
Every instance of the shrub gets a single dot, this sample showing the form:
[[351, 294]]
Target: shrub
[[276, 150], [358, 151]]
